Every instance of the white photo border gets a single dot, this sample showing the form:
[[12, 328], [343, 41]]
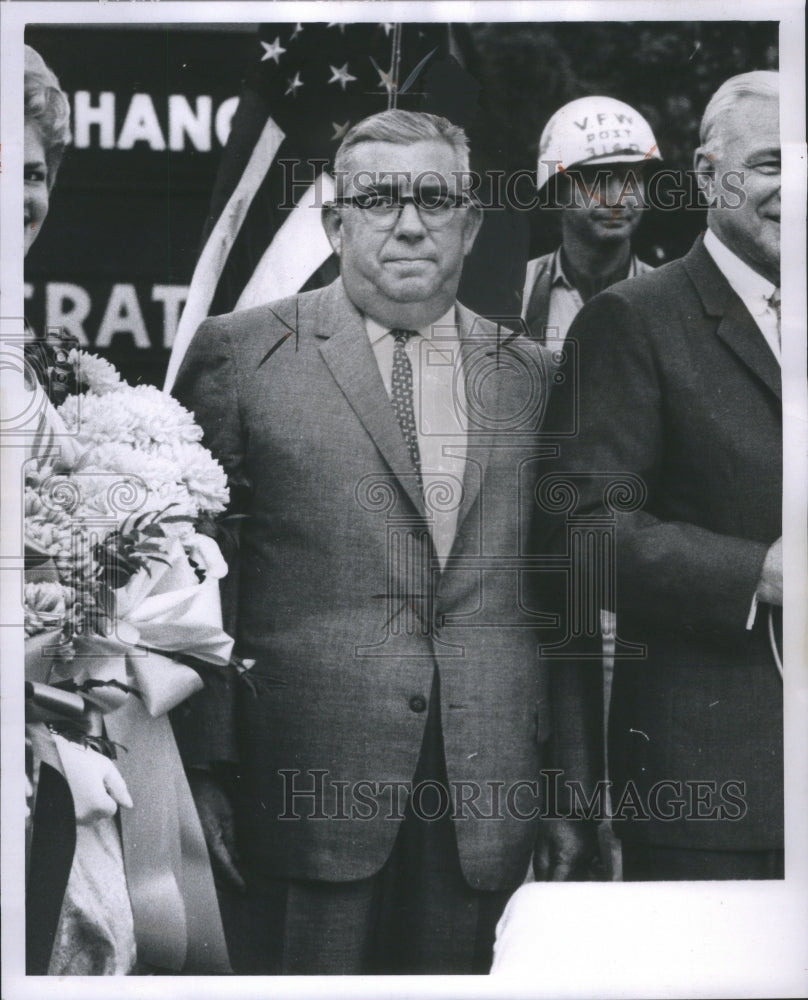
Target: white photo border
[[754, 934]]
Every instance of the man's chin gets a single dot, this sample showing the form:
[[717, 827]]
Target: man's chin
[[413, 288], [616, 234]]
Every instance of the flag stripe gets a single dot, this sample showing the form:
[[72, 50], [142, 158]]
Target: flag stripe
[[300, 246], [214, 256]]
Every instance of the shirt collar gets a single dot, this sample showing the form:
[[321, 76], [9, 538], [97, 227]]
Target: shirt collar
[[558, 277], [747, 284], [376, 331]]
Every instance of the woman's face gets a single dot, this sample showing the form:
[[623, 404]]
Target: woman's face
[[35, 206]]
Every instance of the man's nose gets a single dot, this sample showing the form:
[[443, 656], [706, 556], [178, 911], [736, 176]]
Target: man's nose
[[615, 195], [409, 224]]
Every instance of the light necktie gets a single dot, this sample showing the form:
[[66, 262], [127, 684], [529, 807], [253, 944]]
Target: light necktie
[[774, 304], [402, 397]]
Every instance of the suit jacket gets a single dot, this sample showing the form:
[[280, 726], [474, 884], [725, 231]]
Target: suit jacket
[[345, 635], [677, 386]]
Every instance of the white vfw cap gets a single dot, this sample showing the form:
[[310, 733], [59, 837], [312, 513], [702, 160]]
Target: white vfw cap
[[594, 130]]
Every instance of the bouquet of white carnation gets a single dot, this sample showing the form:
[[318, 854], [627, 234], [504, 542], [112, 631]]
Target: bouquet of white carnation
[[135, 501], [122, 614]]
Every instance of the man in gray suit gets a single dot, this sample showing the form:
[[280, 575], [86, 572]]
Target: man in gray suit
[[384, 780]]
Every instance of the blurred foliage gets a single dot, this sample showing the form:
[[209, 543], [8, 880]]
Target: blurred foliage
[[666, 70]]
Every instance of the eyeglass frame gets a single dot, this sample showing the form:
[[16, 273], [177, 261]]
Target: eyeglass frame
[[400, 201]]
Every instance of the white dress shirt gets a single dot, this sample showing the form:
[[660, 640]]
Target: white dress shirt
[[752, 289], [439, 398]]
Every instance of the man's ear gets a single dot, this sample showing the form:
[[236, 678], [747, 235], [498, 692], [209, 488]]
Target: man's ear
[[471, 226], [331, 219], [704, 167]]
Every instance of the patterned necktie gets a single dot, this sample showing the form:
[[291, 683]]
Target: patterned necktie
[[402, 397], [774, 305]]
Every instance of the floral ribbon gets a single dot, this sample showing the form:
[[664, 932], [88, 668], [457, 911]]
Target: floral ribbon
[[174, 905]]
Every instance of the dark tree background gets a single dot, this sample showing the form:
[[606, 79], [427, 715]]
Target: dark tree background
[[666, 70], [134, 216]]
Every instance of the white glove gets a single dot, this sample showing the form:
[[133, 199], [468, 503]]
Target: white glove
[[95, 783]]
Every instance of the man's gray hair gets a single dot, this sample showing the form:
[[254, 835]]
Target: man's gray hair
[[403, 128], [759, 83]]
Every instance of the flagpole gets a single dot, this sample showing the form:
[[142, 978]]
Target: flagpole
[[395, 63]]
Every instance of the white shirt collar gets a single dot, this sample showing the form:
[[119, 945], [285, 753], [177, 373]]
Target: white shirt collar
[[748, 285], [376, 331]]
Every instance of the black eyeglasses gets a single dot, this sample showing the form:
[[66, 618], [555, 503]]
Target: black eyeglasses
[[383, 210]]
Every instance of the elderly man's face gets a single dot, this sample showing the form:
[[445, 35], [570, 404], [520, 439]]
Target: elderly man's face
[[748, 144], [402, 267]]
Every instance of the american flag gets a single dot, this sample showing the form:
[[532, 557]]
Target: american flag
[[308, 85]]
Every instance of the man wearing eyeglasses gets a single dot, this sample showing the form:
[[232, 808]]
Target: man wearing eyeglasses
[[384, 780]]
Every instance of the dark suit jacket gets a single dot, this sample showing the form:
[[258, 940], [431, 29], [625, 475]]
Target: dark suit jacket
[[346, 639], [677, 386]]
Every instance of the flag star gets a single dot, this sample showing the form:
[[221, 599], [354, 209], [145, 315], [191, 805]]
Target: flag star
[[294, 83], [386, 79], [273, 51], [341, 75], [388, 27], [337, 24], [339, 131], [298, 30]]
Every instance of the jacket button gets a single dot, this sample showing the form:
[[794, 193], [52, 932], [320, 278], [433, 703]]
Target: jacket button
[[418, 703]]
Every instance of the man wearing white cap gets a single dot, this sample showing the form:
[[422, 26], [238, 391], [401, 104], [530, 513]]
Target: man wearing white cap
[[592, 154]]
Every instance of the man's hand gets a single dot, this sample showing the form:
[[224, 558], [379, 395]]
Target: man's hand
[[770, 587], [216, 816], [566, 851]]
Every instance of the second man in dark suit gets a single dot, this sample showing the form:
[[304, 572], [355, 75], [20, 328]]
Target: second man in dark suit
[[679, 396]]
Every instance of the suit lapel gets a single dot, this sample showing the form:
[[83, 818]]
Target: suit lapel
[[736, 327], [349, 356], [478, 351], [347, 352]]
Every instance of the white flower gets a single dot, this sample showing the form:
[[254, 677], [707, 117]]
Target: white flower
[[202, 475], [46, 606], [94, 373], [141, 416], [139, 481]]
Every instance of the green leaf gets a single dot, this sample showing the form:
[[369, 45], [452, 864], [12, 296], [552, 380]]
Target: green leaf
[[153, 531]]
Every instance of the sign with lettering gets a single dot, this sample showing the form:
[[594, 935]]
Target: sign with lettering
[[151, 110]]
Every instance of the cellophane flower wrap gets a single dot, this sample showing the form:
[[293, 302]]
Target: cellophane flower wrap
[[127, 528]]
